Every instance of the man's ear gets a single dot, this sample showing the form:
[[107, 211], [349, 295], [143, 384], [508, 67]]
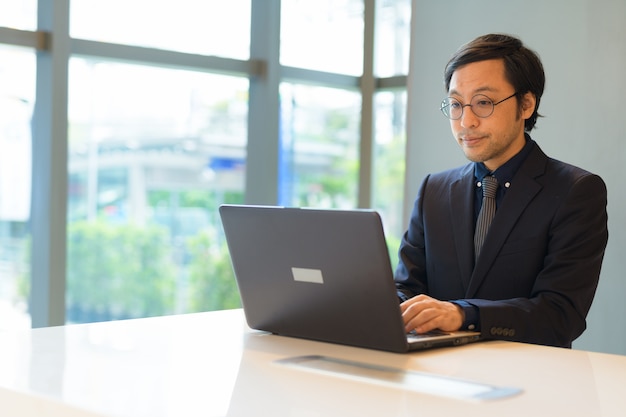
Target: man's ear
[[528, 103]]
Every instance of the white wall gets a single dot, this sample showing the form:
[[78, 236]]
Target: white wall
[[582, 44]]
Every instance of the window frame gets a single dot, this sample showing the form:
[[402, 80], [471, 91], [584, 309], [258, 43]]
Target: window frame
[[54, 48]]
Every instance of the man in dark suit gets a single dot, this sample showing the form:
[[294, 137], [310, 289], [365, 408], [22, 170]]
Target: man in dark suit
[[534, 276]]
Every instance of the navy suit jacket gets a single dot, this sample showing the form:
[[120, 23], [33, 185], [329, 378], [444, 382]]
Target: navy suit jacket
[[539, 266]]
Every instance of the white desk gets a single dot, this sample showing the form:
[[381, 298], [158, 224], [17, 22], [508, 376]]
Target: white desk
[[211, 364]]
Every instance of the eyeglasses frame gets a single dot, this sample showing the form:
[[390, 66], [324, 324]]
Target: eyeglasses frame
[[470, 105]]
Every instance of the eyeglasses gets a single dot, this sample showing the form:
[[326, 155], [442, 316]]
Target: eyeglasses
[[481, 105]]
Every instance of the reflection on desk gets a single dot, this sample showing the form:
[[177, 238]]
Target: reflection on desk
[[402, 379], [211, 364]]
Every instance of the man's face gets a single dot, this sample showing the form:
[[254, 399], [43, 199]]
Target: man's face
[[498, 137]]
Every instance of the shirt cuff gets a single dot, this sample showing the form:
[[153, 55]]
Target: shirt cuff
[[402, 297], [472, 316]]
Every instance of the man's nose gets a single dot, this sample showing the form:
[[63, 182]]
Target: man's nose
[[468, 118]]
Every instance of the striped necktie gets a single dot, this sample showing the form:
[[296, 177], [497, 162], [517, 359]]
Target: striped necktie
[[487, 212]]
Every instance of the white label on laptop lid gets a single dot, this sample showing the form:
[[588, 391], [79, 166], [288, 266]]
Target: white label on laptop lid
[[307, 275]]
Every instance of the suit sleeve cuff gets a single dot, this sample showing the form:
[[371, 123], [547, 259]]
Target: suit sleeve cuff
[[472, 315]]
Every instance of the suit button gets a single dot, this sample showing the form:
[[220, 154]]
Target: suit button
[[493, 331]]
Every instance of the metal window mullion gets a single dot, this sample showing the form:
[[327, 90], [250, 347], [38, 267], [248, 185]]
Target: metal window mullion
[[262, 163], [49, 161], [158, 57], [37, 40], [368, 87]]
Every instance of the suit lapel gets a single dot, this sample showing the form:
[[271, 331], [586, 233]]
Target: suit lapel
[[523, 189], [462, 215]]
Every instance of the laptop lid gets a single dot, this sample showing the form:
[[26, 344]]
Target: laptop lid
[[317, 274]]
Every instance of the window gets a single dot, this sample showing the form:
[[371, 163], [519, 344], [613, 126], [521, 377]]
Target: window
[[16, 107], [157, 138], [20, 15], [207, 27], [391, 58], [392, 38], [322, 35], [389, 149], [153, 152], [319, 162]]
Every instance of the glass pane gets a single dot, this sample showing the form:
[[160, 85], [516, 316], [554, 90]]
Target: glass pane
[[319, 156], [152, 153], [389, 157], [18, 14], [322, 35], [209, 27], [393, 33], [16, 108]]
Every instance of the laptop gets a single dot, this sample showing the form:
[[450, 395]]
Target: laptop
[[322, 275]]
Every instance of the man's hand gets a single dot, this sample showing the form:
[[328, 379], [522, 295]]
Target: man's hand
[[423, 314]]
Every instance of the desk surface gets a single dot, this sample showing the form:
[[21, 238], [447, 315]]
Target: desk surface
[[211, 364]]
